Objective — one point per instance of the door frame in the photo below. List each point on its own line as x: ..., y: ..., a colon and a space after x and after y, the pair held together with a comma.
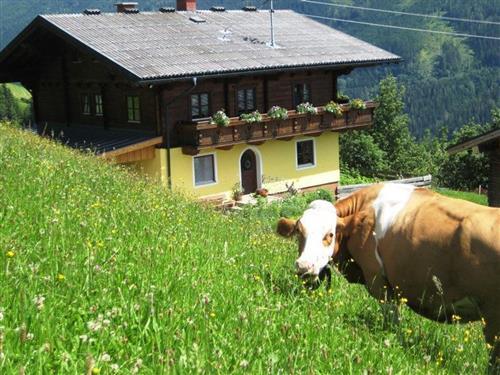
x: 258, y: 166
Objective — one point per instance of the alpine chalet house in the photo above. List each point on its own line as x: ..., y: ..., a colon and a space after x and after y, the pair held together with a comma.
x: 153, y: 89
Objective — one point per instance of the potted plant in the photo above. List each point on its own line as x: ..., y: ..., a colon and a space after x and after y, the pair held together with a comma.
x: 220, y: 118
x: 342, y: 98
x: 252, y: 117
x: 307, y: 108
x: 277, y: 113
x: 334, y: 108
x: 358, y: 104
x: 236, y: 192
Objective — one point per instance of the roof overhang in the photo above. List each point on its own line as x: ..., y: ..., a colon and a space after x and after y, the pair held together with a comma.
x: 489, y: 137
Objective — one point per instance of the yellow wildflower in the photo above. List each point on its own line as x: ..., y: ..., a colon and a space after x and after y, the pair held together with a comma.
x: 60, y: 277
x: 455, y: 318
x: 212, y: 314
x: 11, y: 254
x: 403, y: 300
x: 96, y: 370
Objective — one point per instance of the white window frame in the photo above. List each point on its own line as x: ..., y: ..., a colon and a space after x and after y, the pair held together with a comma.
x: 216, y: 176
x: 305, y: 166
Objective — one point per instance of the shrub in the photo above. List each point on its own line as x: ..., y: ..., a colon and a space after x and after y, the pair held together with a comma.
x: 334, y: 108
x: 278, y: 113
x: 342, y: 98
x: 358, y: 104
x: 307, y: 108
x: 250, y: 118
x: 220, y: 118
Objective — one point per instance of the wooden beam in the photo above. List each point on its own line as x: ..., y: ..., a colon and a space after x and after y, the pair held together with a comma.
x: 190, y: 150
x: 256, y: 143
x: 225, y: 148
x: 137, y: 146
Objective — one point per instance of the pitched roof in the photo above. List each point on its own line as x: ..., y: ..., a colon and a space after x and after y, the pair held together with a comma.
x: 487, y: 137
x: 156, y: 45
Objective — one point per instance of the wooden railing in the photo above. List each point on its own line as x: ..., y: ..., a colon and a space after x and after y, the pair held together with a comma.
x: 202, y: 134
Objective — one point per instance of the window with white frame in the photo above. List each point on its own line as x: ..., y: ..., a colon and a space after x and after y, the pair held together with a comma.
x: 204, y: 170
x: 305, y: 154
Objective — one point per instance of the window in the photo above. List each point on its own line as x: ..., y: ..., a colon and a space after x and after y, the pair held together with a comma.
x: 134, y: 109
x: 200, y: 105
x: 98, y: 104
x: 86, y: 104
x: 246, y: 100
x: 305, y: 154
x: 301, y: 93
x: 204, y: 170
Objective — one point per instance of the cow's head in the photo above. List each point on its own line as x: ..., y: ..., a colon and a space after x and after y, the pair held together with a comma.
x: 315, y: 231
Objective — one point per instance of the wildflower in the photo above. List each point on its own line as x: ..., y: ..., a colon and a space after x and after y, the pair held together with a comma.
x: 96, y: 370
x: 460, y: 348
x: 60, y: 277
x: 403, y: 300
x: 1, y: 313
x: 212, y: 314
x: 244, y: 363
x: 94, y: 325
x: 83, y: 338
x: 455, y: 318
x: 105, y: 357
x: 11, y: 254
x: 39, y: 302
x: 29, y: 336
x: 115, y: 367
x: 387, y: 342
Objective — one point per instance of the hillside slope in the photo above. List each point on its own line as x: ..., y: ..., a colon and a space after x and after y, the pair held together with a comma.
x: 101, y: 269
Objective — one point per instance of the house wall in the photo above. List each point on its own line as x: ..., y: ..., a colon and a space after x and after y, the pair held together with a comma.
x: 65, y: 79
x: 277, y: 161
x: 223, y: 94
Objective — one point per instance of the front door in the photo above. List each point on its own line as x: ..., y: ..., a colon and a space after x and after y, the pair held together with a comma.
x: 248, y: 172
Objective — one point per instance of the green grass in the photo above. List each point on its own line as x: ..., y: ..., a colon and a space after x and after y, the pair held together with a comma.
x: 102, y: 269
x: 20, y: 93
x: 465, y: 195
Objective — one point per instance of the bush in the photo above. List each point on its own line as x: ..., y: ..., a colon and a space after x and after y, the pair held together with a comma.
x: 358, y: 104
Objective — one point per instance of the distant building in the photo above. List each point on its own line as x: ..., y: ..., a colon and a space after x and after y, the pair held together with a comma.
x: 488, y: 143
x: 140, y: 87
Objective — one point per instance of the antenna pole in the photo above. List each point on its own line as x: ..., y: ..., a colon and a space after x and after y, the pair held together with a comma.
x: 272, y: 24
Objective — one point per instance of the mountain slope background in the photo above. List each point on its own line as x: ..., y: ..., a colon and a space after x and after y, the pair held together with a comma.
x: 450, y: 80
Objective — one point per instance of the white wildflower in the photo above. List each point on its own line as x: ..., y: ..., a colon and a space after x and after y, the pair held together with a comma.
x: 39, y: 302
x: 115, y: 367
x: 94, y: 325
x: 105, y: 357
x: 83, y: 338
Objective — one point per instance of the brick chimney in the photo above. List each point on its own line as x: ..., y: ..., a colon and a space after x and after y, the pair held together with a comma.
x: 189, y: 5
x: 126, y: 7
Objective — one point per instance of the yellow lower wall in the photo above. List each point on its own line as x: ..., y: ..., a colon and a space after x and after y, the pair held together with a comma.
x: 277, y: 164
x: 155, y: 168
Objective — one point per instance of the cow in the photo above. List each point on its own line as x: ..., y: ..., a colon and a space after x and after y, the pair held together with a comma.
x: 442, y: 255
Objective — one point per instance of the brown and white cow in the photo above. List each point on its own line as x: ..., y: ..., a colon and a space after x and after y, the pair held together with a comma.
x: 441, y: 254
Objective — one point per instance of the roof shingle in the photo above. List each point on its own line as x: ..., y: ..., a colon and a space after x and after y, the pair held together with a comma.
x: 156, y: 45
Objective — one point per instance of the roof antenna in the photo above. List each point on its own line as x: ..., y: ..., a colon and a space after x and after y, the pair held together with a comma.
x: 272, y: 43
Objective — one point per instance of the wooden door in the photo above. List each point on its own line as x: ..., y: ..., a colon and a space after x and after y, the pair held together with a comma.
x: 248, y: 166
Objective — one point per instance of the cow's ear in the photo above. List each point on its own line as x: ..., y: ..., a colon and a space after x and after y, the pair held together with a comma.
x: 286, y: 227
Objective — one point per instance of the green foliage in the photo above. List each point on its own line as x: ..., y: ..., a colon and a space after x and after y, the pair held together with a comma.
x: 250, y: 118
x: 10, y: 108
x: 278, y: 113
x: 307, y: 108
x: 334, y: 108
x: 388, y: 149
x: 220, y: 118
x: 358, y: 104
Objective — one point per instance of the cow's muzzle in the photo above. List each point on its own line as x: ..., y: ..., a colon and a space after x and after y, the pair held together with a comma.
x: 312, y: 281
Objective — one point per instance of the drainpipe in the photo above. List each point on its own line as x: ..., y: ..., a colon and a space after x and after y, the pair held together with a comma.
x: 167, y: 131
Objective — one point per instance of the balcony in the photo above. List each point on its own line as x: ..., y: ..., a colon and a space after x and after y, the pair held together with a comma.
x: 198, y: 135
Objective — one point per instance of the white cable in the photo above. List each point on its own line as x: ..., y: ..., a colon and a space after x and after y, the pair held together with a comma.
x: 404, y: 28
x: 403, y: 13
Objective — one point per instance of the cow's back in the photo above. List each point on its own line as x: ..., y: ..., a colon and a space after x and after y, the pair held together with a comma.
x: 443, y: 247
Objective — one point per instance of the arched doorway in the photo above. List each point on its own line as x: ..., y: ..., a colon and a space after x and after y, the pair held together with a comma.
x: 248, y: 168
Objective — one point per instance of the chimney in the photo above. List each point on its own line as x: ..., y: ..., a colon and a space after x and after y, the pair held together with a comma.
x: 126, y: 7
x: 189, y: 5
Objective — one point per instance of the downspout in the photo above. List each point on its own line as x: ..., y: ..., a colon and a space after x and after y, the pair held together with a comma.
x: 167, y: 131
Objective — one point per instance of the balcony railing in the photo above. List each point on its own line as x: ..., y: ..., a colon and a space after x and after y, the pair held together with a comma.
x: 202, y: 134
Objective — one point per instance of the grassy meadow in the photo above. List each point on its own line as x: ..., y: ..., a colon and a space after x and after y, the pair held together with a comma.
x: 21, y: 94
x: 103, y: 272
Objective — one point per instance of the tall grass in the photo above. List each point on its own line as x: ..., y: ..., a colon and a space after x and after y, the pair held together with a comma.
x: 104, y: 272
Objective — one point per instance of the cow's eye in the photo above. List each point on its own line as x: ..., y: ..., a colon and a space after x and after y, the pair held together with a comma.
x: 330, y: 235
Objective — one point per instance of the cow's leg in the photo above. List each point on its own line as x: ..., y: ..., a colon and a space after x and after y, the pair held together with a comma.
x: 492, y: 336
x: 381, y: 290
